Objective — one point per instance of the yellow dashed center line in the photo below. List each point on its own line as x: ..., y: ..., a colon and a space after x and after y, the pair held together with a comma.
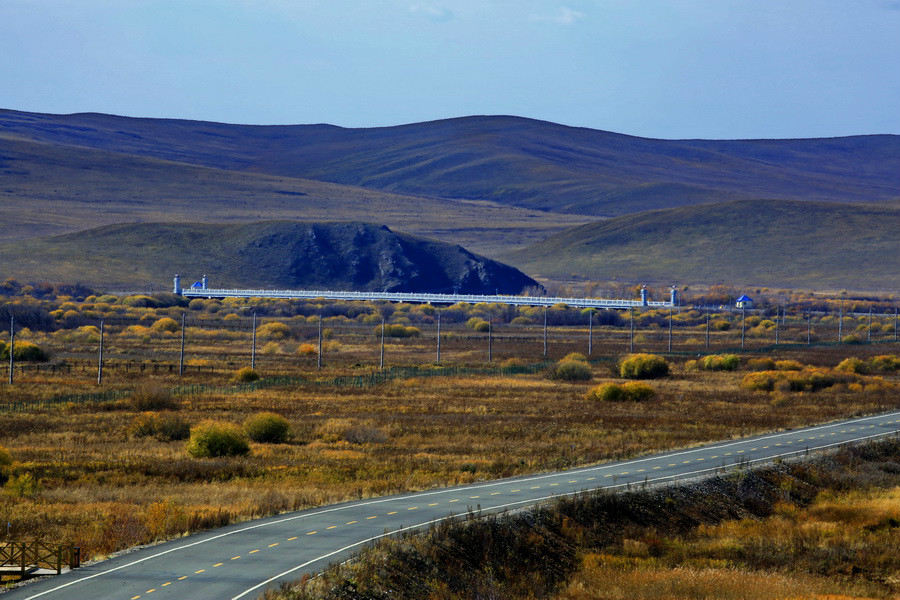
x: 294, y: 538
x: 433, y: 504
x: 165, y: 584
x: 552, y: 484
x: 312, y: 533
x: 701, y: 459
x: 673, y: 465
x: 456, y: 500
x: 235, y: 557
x: 410, y: 508
x: 589, y: 479
x: 608, y: 475
x: 393, y: 512
x: 276, y: 543
x: 657, y: 467
x: 253, y: 551
x: 515, y: 490
x: 352, y: 522
x: 135, y: 597
x: 370, y: 518
x: 495, y: 493
x: 204, y: 570
x: 218, y: 564
x: 150, y: 591
x: 182, y: 577
x: 574, y: 481
x: 473, y: 497
x: 714, y: 456
x: 332, y: 527
x: 535, y: 487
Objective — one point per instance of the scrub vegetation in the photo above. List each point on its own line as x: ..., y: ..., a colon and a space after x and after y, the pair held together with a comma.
x: 151, y: 454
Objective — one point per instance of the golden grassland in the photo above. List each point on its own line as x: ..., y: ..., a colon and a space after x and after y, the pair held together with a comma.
x: 81, y: 474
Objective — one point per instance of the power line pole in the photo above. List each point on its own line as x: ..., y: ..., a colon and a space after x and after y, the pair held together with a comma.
x: 671, y: 310
x: 12, y: 347
x: 439, y: 338
x: 490, y: 338
x: 545, y: 331
x: 809, y: 329
x: 841, y: 323
x: 100, y: 357
x: 319, y: 353
x: 743, y: 323
x: 590, y: 331
x: 869, y: 327
x: 631, y: 337
x: 381, y: 361
x: 777, y: 314
x: 253, y: 345
x: 707, y: 328
x: 181, y: 357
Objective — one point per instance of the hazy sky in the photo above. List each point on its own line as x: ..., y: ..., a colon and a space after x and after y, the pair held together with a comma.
x: 655, y: 68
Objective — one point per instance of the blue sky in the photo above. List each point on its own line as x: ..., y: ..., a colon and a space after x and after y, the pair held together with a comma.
x: 655, y: 68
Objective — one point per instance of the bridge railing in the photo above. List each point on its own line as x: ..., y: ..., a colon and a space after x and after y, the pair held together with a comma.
x: 23, y: 558
x: 421, y: 298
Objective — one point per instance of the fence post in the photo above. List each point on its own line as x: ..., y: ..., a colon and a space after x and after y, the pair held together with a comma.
x: 777, y: 315
x: 546, y: 308
x: 590, y: 331
x: 490, y: 338
x: 707, y: 328
x: 841, y: 323
x: 631, y: 336
x: 671, y: 310
x: 869, y: 327
x: 381, y: 361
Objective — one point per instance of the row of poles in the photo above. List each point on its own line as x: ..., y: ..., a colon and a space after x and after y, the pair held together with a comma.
x: 780, y: 319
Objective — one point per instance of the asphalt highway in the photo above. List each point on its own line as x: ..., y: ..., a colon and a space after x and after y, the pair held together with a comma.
x: 241, y: 561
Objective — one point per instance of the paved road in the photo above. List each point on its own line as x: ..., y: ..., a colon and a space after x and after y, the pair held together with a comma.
x: 240, y: 561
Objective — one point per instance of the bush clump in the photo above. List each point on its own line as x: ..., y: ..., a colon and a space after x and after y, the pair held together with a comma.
x: 633, y: 391
x: 245, y: 375
x: 273, y: 331
x: 347, y: 430
x: 808, y: 380
x: 165, y: 428
x: 152, y: 397
x: 719, y: 362
x: 570, y: 370
x: 5, y: 464
x: 25, y: 351
x: 398, y: 330
x: 643, y: 366
x: 211, y: 439
x: 788, y: 365
x: 267, y: 428
x: 165, y: 325
x: 761, y: 364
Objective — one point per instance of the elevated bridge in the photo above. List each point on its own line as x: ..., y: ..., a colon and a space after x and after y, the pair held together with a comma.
x: 201, y: 290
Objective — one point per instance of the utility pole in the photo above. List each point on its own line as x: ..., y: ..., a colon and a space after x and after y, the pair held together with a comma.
x: 869, y: 327
x: 490, y: 338
x: 545, y: 331
x: 253, y: 345
x: 100, y: 357
x: 671, y: 310
x: 777, y: 313
x: 631, y: 337
x: 12, y: 347
x: 809, y: 329
x: 707, y: 328
x: 743, y: 324
x: 381, y: 361
x: 319, y: 353
x: 841, y: 324
x: 896, y: 318
x: 181, y: 357
x: 590, y: 331
x: 439, y: 338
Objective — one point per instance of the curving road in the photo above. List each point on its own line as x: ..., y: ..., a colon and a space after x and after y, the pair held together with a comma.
x: 240, y: 561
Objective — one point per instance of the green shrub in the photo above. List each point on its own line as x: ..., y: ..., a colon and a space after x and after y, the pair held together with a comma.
x: 25, y: 351
x: 606, y: 392
x: 853, y: 365
x: 720, y: 325
x: 267, y: 428
x: 570, y: 370
x: 885, y: 363
x: 643, y: 366
x: 5, y: 464
x: 638, y: 391
x: 245, y: 375
x: 719, y: 362
x: 521, y: 321
x: 152, y: 397
x: 575, y: 356
x: 763, y: 381
x: 398, y: 330
x: 211, y: 439
x: 25, y: 485
x: 165, y: 428
x: 851, y: 339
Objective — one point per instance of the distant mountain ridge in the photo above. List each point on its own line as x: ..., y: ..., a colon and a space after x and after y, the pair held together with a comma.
x: 775, y: 243
x: 268, y: 254
x: 511, y: 160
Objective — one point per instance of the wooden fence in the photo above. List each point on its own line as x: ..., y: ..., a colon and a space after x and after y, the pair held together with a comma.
x: 37, y: 558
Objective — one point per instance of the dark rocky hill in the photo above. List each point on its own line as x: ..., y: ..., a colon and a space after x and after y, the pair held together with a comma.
x: 269, y: 254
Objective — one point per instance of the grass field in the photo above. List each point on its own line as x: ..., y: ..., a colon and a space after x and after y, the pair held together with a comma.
x: 90, y: 472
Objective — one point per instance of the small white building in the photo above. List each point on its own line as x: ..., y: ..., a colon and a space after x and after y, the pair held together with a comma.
x: 744, y: 301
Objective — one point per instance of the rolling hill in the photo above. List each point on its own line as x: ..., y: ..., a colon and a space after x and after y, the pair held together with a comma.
x: 816, y: 245
x: 269, y: 254
x: 509, y: 160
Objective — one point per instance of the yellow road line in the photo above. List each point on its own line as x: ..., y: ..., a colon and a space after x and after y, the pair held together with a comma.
x: 332, y: 527
x: 457, y: 500
x: 218, y: 564
x: 203, y: 570
x: 253, y: 551
x: 165, y: 584
x: 370, y: 518
x: 182, y: 577
x: 312, y: 533
x: 433, y: 504
x: 352, y: 522
x: 135, y: 597
x: 292, y: 539
x: 276, y: 543
x: 150, y: 591
x: 393, y: 512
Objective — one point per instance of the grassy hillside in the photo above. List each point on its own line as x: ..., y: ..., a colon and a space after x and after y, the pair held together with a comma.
x: 510, y: 160
x: 760, y: 242
x: 270, y: 254
x: 48, y: 189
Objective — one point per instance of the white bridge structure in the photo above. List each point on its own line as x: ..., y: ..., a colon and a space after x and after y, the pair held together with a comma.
x: 201, y: 289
